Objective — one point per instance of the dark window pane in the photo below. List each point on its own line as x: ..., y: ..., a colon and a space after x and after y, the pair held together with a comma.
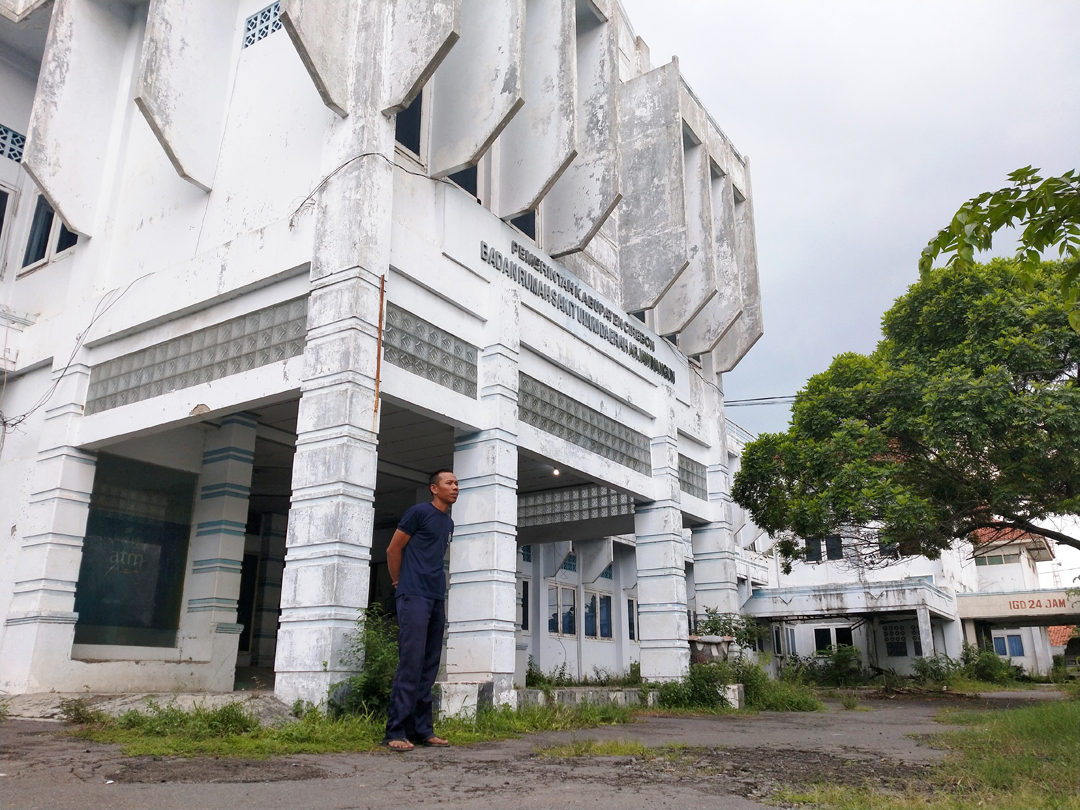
x: 999, y: 646
x: 466, y: 179
x: 895, y: 640
x: 822, y: 639
x: 526, y: 223
x: 38, y: 243
x: 834, y: 548
x: 66, y: 239
x: 813, y: 551
x: 569, y: 619
x: 3, y: 210
x: 553, y: 610
x: 407, y: 127
x: 630, y: 617
x: 132, y: 574
x: 1016, y: 646
x: 590, y: 615
x: 525, y: 604
x: 245, y: 606
x: 605, y: 617
x: 916, y: 642
x: 778, y: 647
x: 844, y: 636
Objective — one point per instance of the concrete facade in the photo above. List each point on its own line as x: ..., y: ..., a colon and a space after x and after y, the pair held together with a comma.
x: 295, y: 256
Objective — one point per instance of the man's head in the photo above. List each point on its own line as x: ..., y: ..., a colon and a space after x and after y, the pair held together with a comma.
x: 444, y: 488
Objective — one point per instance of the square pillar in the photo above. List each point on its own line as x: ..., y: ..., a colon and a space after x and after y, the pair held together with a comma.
x: 926, y: 633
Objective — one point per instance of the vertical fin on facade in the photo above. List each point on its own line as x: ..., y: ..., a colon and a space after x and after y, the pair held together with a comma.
x: 323, y: 32
x: 749, y: 327
x: 541, y: 140
x: 182, y: 84
x: 71, y: 123
x: 422, y: 32
x: 479, y: 86
x: 652, y: 214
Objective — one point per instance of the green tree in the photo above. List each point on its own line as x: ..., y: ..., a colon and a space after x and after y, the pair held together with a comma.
x: 1048, y: 211
x: 965, y: 417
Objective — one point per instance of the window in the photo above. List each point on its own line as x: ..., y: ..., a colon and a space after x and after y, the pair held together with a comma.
x: 791, y: 641
x: 4, y: 197
x: 834, y: 547
x: 606, y: 573
x: 1016, y: 646
x: 525, y: 605
x: 822, y: 639
x: 895, y: 640
x: 262, y: 24
x: 11, y: 144
x: 526, y: 223
x: 691, y: 623
x: 570, y: 563
x: 844, y: 636
x: 590, y: 614
x: 407, y: 128
x: 813, y: 551
x: 916, y: 641
x: 630, y: 617
x: 467, y: 180
x: 778, y: 646
x: 49, y: 237
x: 526, y: 553
x: 605, y: 616
x: 134, y: 555
x: 999, y: 645
x: 562, y: 619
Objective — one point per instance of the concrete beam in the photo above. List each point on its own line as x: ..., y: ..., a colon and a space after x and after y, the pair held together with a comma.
x: 586, y: 193
x: 19, y: 10
x: 540, y: 141
x: 323, y: 32
x: 182, y: 85
x: 71, y: 123
x: 652, y: 214
x: 479, y: 86
x: 422, y: 32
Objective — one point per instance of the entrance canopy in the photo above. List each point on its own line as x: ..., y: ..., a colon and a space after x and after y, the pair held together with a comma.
x: 1020, y: 608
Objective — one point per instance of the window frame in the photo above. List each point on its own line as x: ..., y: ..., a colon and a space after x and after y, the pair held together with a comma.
x: 523, y: 601
x: 561, y: 589
x: 420, y: 159
x: 632, y: 623
x: 51, y: 253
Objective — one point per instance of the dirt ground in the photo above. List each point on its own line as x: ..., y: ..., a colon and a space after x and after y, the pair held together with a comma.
x: 733, y: 761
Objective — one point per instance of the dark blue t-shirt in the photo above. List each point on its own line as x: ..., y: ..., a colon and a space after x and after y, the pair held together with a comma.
x: 429, y: 531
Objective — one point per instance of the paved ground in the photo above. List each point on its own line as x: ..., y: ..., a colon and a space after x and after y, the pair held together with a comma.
x: 734, y: 762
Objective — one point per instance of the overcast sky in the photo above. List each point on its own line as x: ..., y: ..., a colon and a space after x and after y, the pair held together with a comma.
x: 867, y: 125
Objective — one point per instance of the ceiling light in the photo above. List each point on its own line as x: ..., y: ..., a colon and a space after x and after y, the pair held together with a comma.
x: 555, y: 472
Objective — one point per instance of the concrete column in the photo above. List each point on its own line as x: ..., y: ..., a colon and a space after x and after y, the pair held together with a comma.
x: 264, y: 641
x: 41, y: 619
x: 208, y: 628
x: 328, y: 548
x: 483, y: 556
x: 665, y: 649
x: 953, y: 633
x: 926, y: 635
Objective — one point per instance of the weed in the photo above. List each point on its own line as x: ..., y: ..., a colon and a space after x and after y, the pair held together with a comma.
x: 373, y: 652
x: 78, y: 711
x: 849, y: 701
x: 595, y: 748
x: 536, y: 678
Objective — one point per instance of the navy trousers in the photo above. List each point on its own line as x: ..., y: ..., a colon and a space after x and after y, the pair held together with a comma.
x: 420, y: 636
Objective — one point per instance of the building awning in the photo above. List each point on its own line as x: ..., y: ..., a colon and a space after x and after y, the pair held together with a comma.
x: 851, y: 599
x: 1042, y: 607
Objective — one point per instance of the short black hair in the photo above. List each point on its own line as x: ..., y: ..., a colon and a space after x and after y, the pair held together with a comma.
x: 434, y: 479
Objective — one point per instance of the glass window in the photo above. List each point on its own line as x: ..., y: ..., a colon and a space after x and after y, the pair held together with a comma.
x: 1016, y: 646
x: 980, y: 560
x: 791, y: 641
x: 65, y: 239
x: 131, y: 577
x: 813, y: 551
x: 38, y: 243
x: 569, y: 619
x: 1009, y: 559
x: 590, y: 615
x: 526, y: 223
x: 822, y: 639
x: 834, y: 547
x: 916, y: 641
x: 407, y: 126
x: 777, y: 643
x: 630, y: 616
x: 525, y: 604
x: 467, y: 180
x: 844, y: 636
x: 999, y: 646
x: 605, y: 616
x: 553, y: 610
x: 895, y: 640
x: 994, y: 559
x: 526, y: 553
x: 3, y: 210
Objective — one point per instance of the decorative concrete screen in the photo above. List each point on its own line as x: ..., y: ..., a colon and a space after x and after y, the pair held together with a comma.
x: 545, y: 408
x: 262, y: 24
x: 692, y: 477
x: 11, y: 143
x: 426, y: 350
x: 252, y: 340
x: 571, y: 505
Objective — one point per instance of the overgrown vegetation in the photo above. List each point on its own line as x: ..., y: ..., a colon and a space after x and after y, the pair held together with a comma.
x: 1027, y: 757
x: 560, y: 677
x: 373, y: 653
x: 703, y: 688
x: 977, y: 665
x: 744, y: 629
x: 232, y: 731
x: 596, y: 748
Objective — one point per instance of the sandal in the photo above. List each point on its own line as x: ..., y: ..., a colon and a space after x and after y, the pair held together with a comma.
x: 432, y: 742
x: 397, y: 744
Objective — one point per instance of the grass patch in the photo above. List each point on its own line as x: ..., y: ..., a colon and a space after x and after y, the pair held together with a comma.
x: 1027, y: 757
x: 596, y: 748
x: 232, y: 731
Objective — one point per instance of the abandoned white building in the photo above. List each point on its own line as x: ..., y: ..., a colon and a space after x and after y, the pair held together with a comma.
x: 265, y: 267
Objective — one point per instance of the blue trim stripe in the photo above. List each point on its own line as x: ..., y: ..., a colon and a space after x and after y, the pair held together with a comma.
x: 229, y: 527
x: 225, y: 491
x: 210, y: 603
x: 245, y: 419
x: 216, y: 569
x: 228, y: 454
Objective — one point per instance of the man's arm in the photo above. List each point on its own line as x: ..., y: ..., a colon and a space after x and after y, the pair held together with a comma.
x: 393, y: 554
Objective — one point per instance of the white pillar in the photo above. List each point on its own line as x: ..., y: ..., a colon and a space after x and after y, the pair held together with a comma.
x: 661, y: 584
x: 41, y: 619
x: 481, y: 647
x: 926, y: 634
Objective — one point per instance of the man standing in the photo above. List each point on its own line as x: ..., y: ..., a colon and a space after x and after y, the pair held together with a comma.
x: 415, y: 560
